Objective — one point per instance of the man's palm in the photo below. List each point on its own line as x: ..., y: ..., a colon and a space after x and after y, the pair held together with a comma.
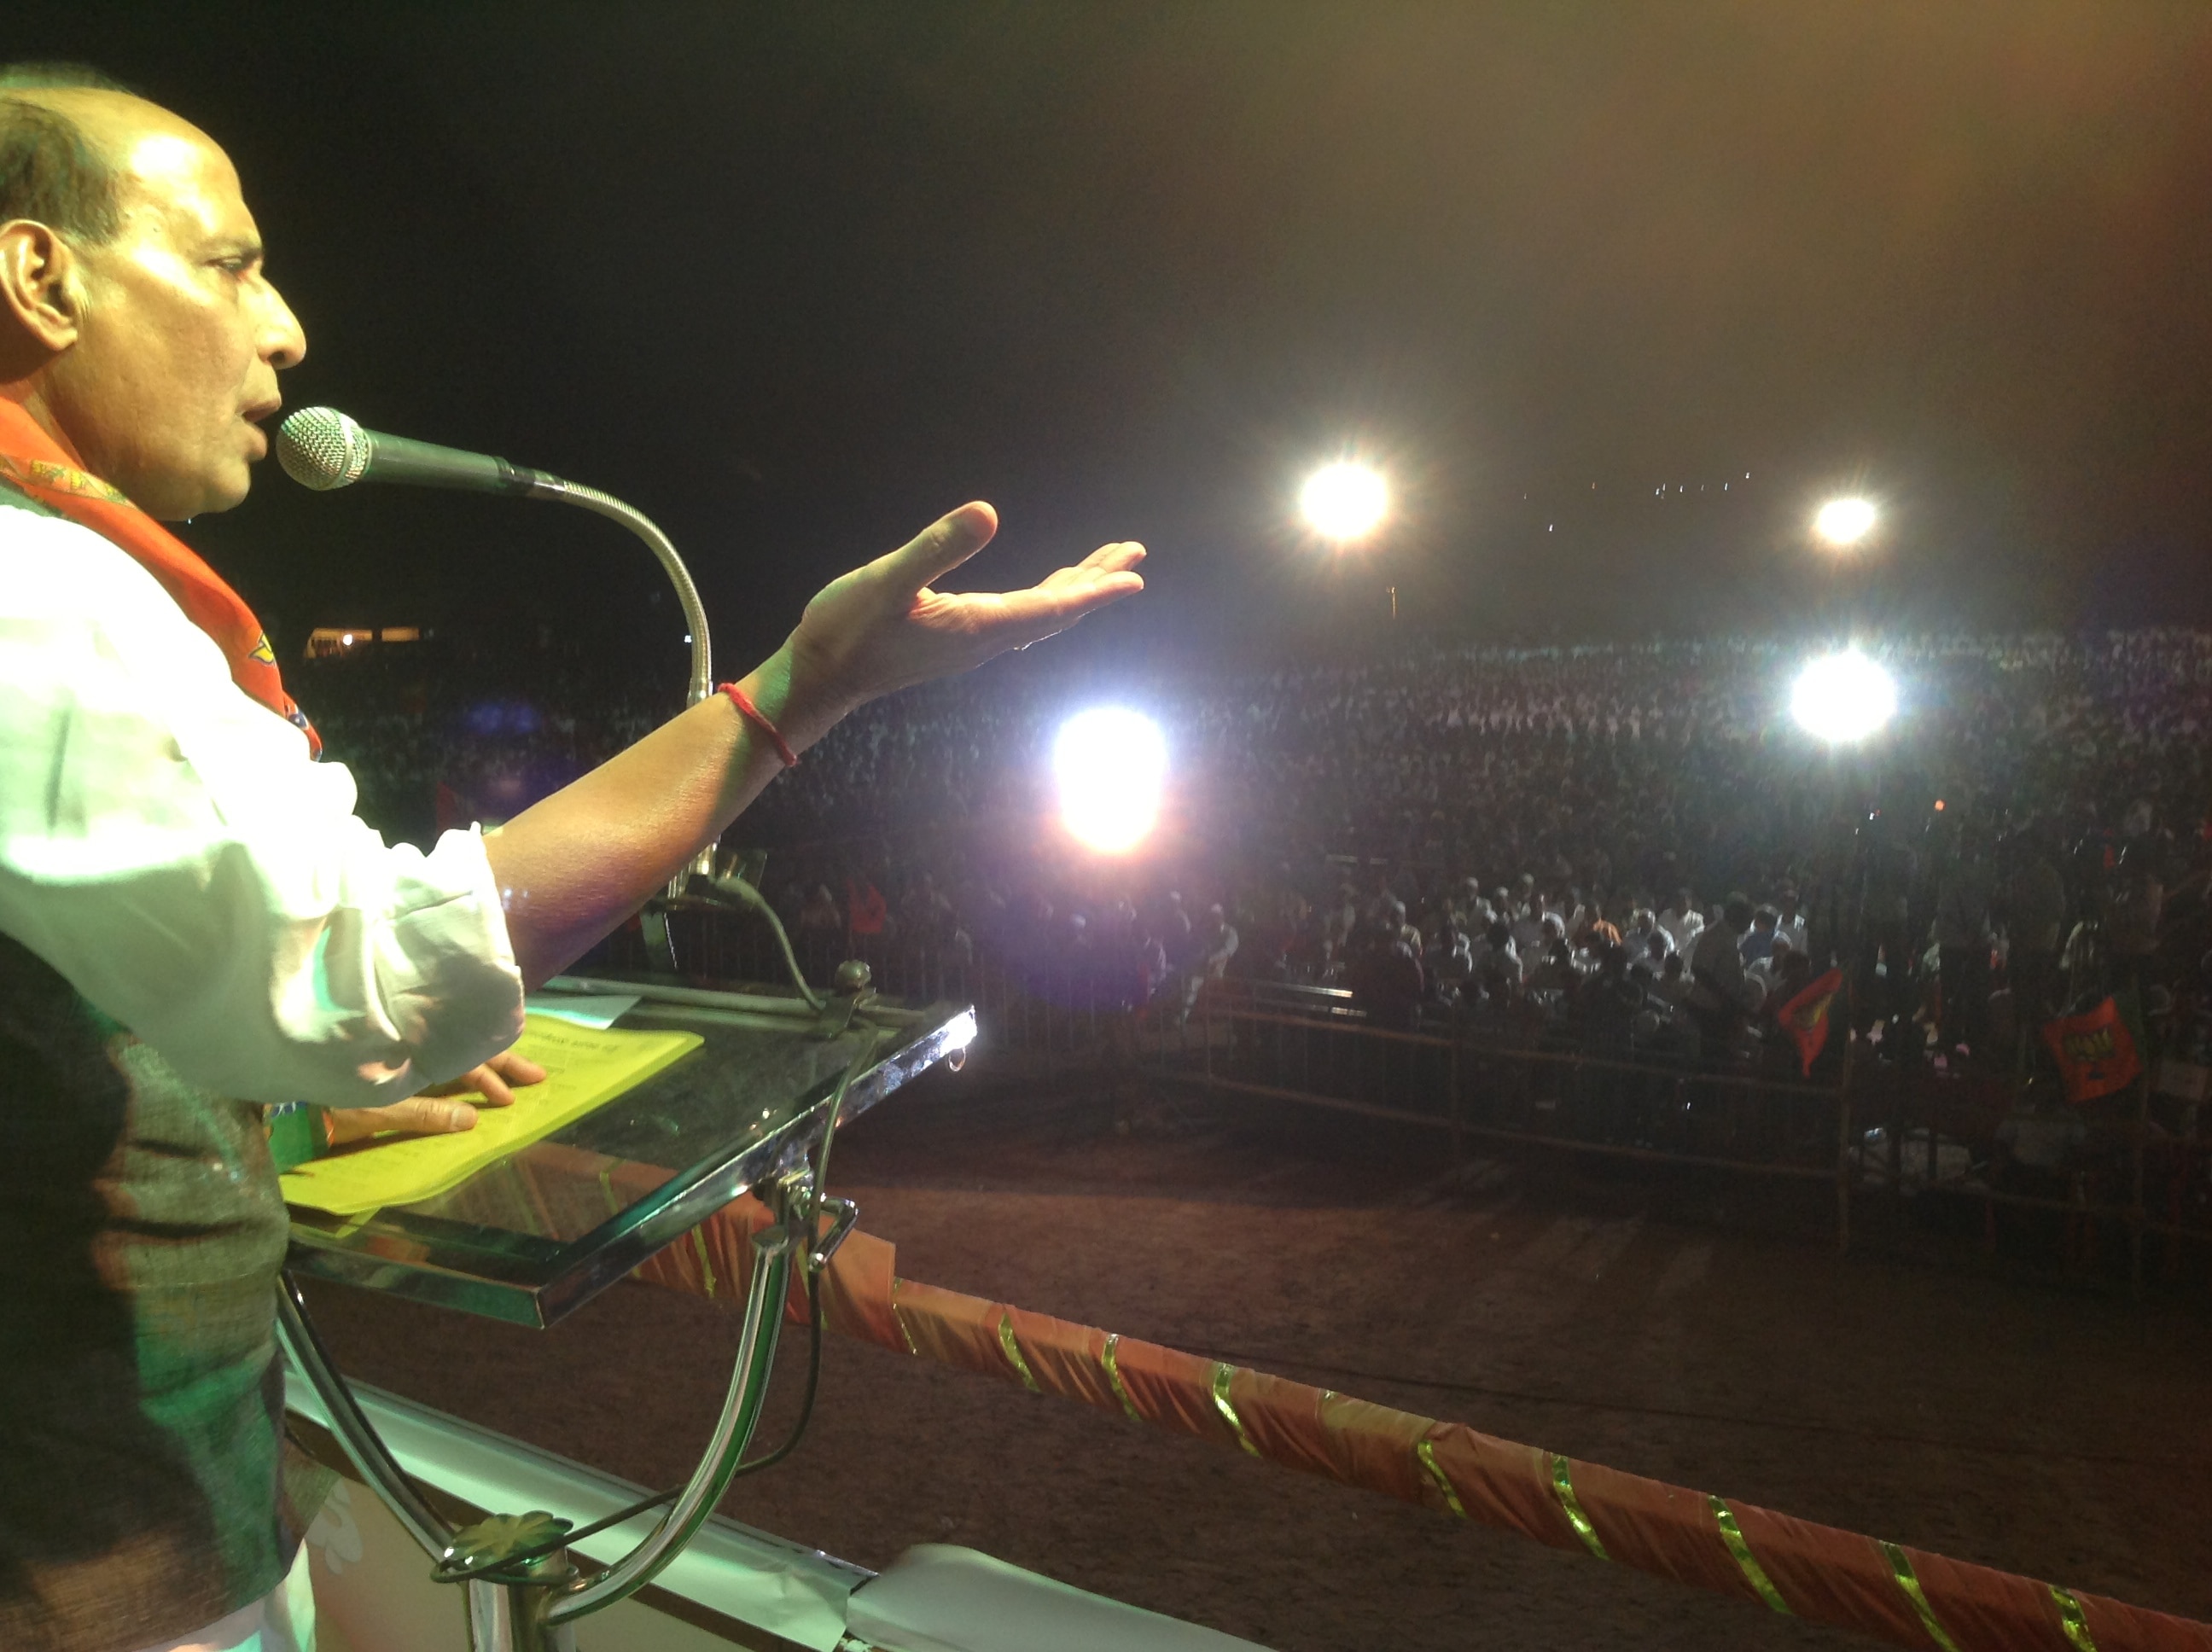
x: 885, y: 627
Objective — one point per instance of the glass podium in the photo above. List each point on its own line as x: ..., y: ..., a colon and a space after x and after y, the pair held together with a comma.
x: 533, y: 1235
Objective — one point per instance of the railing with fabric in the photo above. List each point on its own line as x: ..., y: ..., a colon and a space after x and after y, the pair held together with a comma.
x: 1908, y: 1596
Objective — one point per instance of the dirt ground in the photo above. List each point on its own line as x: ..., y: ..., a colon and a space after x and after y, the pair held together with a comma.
x: 2059, y: 1432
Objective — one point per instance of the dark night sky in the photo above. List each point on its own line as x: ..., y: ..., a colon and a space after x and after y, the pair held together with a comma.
x: 795, y: 278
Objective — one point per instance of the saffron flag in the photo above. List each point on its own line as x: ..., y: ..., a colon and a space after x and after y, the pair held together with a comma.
x: 867, y: 912
x: 2096, y: 1053
x: 1805, y: 1017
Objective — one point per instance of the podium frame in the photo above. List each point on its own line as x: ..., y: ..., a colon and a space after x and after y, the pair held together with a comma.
x: 531, y: 1594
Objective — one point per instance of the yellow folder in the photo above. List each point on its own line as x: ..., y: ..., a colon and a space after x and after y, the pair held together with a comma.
x: 585, y: 1067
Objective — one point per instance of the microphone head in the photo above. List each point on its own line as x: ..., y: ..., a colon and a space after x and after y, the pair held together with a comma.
x: 321, y: 449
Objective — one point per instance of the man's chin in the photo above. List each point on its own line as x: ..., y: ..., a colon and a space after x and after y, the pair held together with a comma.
x: 206, y: 499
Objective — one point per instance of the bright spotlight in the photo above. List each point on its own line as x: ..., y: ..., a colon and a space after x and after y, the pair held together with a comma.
x: 1842, y: 698
x: 1111, y: 764
x: 1845, y: 522
x: 1345, y: 501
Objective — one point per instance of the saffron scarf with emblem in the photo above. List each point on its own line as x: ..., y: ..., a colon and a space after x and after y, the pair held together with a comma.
x: 34, y: 462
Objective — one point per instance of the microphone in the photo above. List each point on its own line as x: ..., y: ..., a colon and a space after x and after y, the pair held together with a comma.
x: 321, y: 447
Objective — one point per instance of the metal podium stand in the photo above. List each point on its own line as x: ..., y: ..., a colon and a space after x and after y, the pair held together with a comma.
x: 534, y: 1236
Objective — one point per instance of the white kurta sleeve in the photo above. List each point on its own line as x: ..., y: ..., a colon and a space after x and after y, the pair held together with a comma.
x: 168, y: 846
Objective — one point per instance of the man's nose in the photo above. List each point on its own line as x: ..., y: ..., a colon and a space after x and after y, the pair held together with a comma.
x: 283, y: 342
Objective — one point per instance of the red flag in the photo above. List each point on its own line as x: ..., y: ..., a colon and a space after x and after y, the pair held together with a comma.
x: 1805, y: 1017
x: 868, y: 912
x: 2096, y: 1053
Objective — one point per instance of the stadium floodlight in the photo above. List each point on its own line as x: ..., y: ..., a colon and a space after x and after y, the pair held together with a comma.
x: 1111, y: 764
x: 1843, y: 522
x: 1345, y: 501
x: 1843, y: 698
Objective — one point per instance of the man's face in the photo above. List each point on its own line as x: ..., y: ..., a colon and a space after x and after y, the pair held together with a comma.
x: 182, y: 335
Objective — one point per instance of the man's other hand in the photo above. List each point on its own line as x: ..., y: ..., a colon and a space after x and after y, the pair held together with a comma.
x: 883, y: 626
x: 429, y: 1113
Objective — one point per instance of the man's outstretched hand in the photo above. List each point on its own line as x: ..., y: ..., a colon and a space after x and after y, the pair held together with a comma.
x: 883, y: 626
x: 573, y: 865
x: 430, y: 1114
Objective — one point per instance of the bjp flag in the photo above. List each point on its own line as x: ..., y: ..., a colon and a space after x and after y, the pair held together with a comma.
x: 1805, y: 1017
x: 2096, y: 1053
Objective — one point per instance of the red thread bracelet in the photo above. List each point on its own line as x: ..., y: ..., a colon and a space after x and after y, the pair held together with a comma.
x: 753, y: 714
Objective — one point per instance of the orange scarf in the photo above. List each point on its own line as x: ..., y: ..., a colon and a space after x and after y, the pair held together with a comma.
x: 32, y: 461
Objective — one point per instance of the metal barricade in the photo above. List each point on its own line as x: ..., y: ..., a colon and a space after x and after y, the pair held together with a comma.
x: 1052, y: 1023
x: 1311, y: 1046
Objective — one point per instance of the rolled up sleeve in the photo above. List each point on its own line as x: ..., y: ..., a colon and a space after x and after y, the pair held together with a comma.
x: 169, y: 847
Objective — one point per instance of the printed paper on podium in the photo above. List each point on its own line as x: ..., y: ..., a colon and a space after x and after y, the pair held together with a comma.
x: 585, y: 1068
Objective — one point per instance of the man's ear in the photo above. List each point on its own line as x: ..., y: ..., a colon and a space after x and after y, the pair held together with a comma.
x: 41, y: 294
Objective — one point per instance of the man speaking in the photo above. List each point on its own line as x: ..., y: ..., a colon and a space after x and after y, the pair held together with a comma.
x: 192, y: 921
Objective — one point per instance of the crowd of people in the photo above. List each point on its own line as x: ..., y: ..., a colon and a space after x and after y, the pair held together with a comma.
x: 1632, y: 840
x: 437, y: 737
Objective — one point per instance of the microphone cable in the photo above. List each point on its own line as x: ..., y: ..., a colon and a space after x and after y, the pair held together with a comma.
x: 496, y: 1570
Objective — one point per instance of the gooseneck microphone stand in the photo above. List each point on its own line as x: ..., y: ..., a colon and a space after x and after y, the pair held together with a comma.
x: 525, y: 1593
x: 323, y: 449
x: 687, y: 594
x: 658, y: 937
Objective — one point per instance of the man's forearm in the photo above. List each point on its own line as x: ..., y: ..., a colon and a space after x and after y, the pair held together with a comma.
x: 572, y: 867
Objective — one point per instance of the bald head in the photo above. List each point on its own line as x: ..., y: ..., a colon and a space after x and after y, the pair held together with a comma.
x: 143, y: 151
x: 136, y: 324
x: 51, y: 168
x: 83, y: 154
